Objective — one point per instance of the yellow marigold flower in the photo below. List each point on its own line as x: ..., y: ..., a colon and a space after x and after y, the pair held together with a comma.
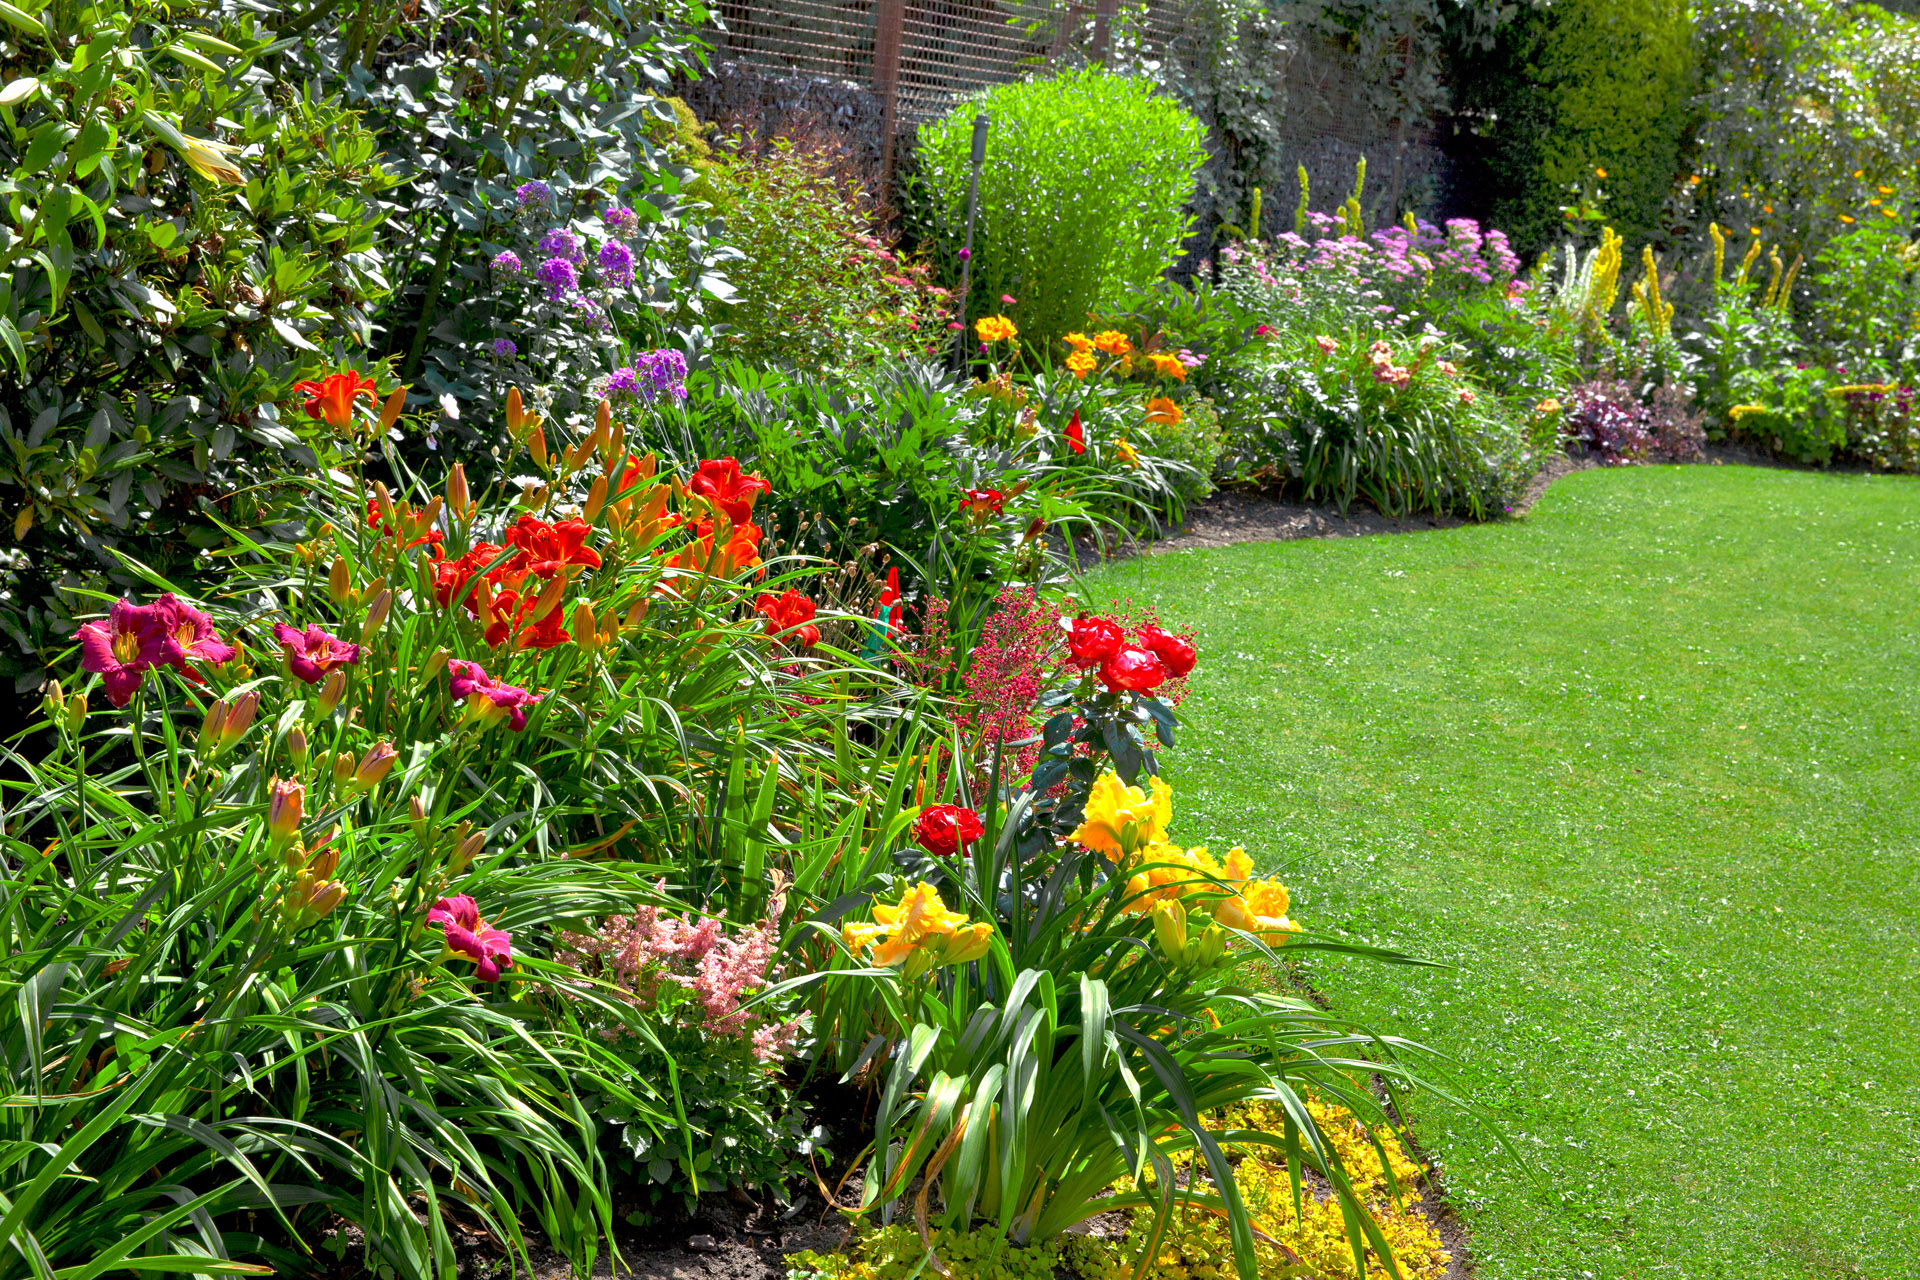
x: 1164, y: 412
x: 1117, y: 815
x: 1845, y: 218
x: 1113, y: 342
x: 1599, y: 173
x: 1168, y: 366
x: 1694, y: 181
x: 995, y: 329
x: 1127, y: 453
x: 1081, y: 363
x: 1080, y: 342
x: 1549, y: 405
x: 1885, y: 191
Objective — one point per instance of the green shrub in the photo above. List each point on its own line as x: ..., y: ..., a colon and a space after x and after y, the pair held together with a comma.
x: 1195, y: 441
x: 190, y: 239
x: 1864, y: 306
x: 1082, y: 198
x: 812, y: 289
x: 1574, y: 90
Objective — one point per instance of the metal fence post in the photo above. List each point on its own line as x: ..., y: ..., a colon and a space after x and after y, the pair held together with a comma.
x: 980, y: 126
x: 889, y: 41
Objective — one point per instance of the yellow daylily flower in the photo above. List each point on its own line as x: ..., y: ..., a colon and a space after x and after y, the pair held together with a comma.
x: 1119, y: 819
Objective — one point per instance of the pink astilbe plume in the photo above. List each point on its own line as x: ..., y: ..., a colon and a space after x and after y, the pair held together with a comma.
x: 1007, y: 673
x: 647, y: 955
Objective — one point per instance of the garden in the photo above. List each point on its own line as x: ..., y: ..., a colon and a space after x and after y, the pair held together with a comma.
x: 589, y: 689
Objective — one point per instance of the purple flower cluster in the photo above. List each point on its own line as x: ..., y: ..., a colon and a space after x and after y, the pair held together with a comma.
x: 615, y: 261
x: 504, y: 347
x: 620, y: 221
x: 562, y: 243
x: 507, y: 262
x: 652, y: 375
x: 532, y: 194
x: 558, y: 275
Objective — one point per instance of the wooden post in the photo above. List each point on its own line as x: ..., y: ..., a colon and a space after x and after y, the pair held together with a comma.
x: 1104, y: 12
x: 889, y: 42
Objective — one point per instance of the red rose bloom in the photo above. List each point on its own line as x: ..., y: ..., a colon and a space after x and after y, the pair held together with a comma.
x: 1133, y: 669
x: 947, y: 829
x: 1092, y: 641
x: 1176, y: 651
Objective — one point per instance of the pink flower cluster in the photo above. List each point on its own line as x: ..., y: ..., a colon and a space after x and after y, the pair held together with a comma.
x: 645, y: 954
x: 1385, y: 371
x: 1008, y: 671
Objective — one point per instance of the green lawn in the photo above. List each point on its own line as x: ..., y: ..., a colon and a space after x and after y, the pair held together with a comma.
x: 1641, y: 768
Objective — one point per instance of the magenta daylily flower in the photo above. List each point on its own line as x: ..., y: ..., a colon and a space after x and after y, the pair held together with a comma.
x: 314, y: 654
x: 490, y: 949
x: 189, y: 633
x: 120, y: 650
x: 489, y: 699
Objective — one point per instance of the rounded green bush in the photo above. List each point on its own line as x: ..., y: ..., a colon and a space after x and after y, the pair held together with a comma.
x: 1083, y: 197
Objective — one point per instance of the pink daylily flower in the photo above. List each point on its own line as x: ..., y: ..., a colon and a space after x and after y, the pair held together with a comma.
x: 490, y: 949
x: 122, y: 649
x: 314, y: 654
x: 487, y: 698
x: 189, y: 633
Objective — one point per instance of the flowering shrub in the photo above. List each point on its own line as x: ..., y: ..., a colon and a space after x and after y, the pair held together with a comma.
x: 1882, y: 423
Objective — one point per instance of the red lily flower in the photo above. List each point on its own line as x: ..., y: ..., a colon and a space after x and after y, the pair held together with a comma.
x: 490, y: 949
x: 547, y: 549
x: 719, y: 481
x: 791, y: 612
x: 332, y: 397
x: 1076, y: 436
x: 314, y: 654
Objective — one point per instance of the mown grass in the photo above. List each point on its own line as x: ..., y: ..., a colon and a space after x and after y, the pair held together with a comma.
x: 1641, y: 768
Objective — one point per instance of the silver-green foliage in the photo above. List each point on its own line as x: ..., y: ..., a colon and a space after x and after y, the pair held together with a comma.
x: 1083, y: 197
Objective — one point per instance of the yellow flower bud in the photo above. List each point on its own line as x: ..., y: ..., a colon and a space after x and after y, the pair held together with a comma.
x: 331, y: 692
x: 338, y: 585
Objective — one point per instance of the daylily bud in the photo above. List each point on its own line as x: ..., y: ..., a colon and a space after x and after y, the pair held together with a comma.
x: 331, y: 692
x: 54, y: 702
x: 515, y: 410
x: 76, y: 712
x: 584, y: 633
x: 465, y: 852
x: 637, y: 614
x: 383, y: 502
x: 435, y: 664
x: 596, y: 500
x: 286, y: 806
x: 323, y: 857
x: 239, y: 719
x: 549, y: 598
x: 430, y: 514
x: 458, y: 500
x: 417, y: 818
x: 375, y: 765
x: 294, y: 856
x: 616, y: 445
x: 603, y: 421
x: 297, y: 746
x: 537, y: 448
x: 216, y: 717
x: 390, y: 413
x: 968, y: 944
x: 324, y: 898
x: 338, y: 585
x: 1170, y: 927
x: 376, y: 614
x: 342, y: 769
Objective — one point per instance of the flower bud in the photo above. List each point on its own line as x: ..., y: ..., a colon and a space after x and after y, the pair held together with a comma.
x: 375, y: 765
x: 968, y: 944
x: 286, y: 807
x: 458, y: 500
x: 322, y: 859
x: 331, y: 692
x: 376, y: 614
x: 637, y: 614
x: 342, y: 769
x: 1170, y: 927
x: 76, y: 712
x: 324, y: 898
x: 465, y: 852
x: 584, y: 633
x: 210, y: 726
x: 435, y: 664
x: 338, y: 585
x: 54, y: 702
x: 297, y: 746
x: 549, y: 598
x: 239, y: 719
x: 537, y: 448
x: 417, y: 818
x: 596, y: 500
x: 390, y: 413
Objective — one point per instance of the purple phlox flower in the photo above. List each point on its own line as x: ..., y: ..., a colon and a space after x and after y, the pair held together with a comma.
x: 189, y: 634
x: 121, y: 649
x: 557, y: 274
x: 652, y: 375
x: 490, y: 949
x: 505, y: 347
x: 620, y: 221
x: 623, y: 382
x: 314, y: 654
x: 488, y: 699
x: 616, y: 264
x: 562, y: 243
x: 533, y: 193
x: 507, y: 262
